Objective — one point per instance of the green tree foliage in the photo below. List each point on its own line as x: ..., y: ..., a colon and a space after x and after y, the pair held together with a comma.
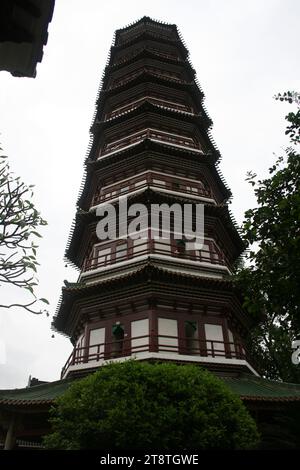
x: 144, y: 406
x: 270, y: 279
x: 19, y: 225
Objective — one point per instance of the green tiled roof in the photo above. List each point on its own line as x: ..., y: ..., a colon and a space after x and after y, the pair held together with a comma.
x: 36, y: 395
x: 248, y: 387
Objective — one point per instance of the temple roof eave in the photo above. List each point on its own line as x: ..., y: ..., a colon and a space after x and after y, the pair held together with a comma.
x: 249, y: 388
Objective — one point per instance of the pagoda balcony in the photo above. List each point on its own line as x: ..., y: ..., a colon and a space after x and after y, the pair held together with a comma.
x: 159, y: 53
x: 153, y: 134
x: 166, y: 75
x: 164, y: 55
x: 156, y: 101
x: 124, y: 251
x: 158, y: 347
x: 192, y: 189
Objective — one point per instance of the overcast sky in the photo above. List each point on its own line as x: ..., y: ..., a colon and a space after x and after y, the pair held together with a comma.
x: 243, y: 52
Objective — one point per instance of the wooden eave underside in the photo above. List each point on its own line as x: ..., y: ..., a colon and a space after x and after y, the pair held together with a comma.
x: 147, y: 113
x: 147, y: 58
x: 145, y: 19
x: 190, y: 87
x: 174, y: 115
x: 147, y: 76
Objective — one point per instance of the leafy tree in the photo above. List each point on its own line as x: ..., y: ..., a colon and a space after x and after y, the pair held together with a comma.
x: 19, y: 222
x: 271, y: 278
x: 141, y: 406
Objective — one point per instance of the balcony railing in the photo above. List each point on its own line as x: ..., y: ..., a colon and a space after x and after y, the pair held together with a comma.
x: 164, y: 74
x: 116, y: 191
x: 181, y: 141
x: 163, y: 54
x: 157, y: 52
x: 131, y: 346
x: 111, y: 254
x: 160, y: 102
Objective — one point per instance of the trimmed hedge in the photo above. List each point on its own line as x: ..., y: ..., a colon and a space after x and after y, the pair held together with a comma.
x: 140, y: 406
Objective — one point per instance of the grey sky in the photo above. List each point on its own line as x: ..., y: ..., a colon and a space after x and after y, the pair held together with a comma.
x: 243, y: 52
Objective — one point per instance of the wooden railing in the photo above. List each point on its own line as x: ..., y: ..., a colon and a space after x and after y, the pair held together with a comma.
x: 149, y: 246
x: 154, y: 343
x: 150, y: 134
x: 164, y: 54
x: 157, y: 52
x: 119, y: 191
x: 164, y: 74
x: 157, y: 101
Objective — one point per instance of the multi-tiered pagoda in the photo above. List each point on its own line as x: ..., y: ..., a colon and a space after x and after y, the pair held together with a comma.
x: 152, y: 298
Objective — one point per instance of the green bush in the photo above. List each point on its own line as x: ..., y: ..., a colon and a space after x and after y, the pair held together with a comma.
x: 142, y: 406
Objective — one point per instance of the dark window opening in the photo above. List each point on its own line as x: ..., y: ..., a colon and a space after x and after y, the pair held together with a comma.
x: 191, y: 337
x: 117, y: 340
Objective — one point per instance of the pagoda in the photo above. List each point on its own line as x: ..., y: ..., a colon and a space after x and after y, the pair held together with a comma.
x: 151, y: 298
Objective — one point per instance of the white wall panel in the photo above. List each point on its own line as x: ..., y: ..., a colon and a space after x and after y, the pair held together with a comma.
x: 168, y: 327
x: 139, y: 328
x: 214, y: 334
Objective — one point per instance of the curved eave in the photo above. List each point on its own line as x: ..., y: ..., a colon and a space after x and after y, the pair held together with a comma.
x: 152, y: 55
x: 145, y: 19
x: 258, y: 389
x: 191, y: 87
x: 201, y: 121
x: 82, y: 219
x: 144, y: 145
x: 212, y: 156
x: 148, y: 144
x: 36, y: 396
x: 140, y: 78
x: 152, y: 37
x: 248, y: 387
x: 277, y: 399
x: 93, y: 165
x: 146, y: 77
x: 76, y: 292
